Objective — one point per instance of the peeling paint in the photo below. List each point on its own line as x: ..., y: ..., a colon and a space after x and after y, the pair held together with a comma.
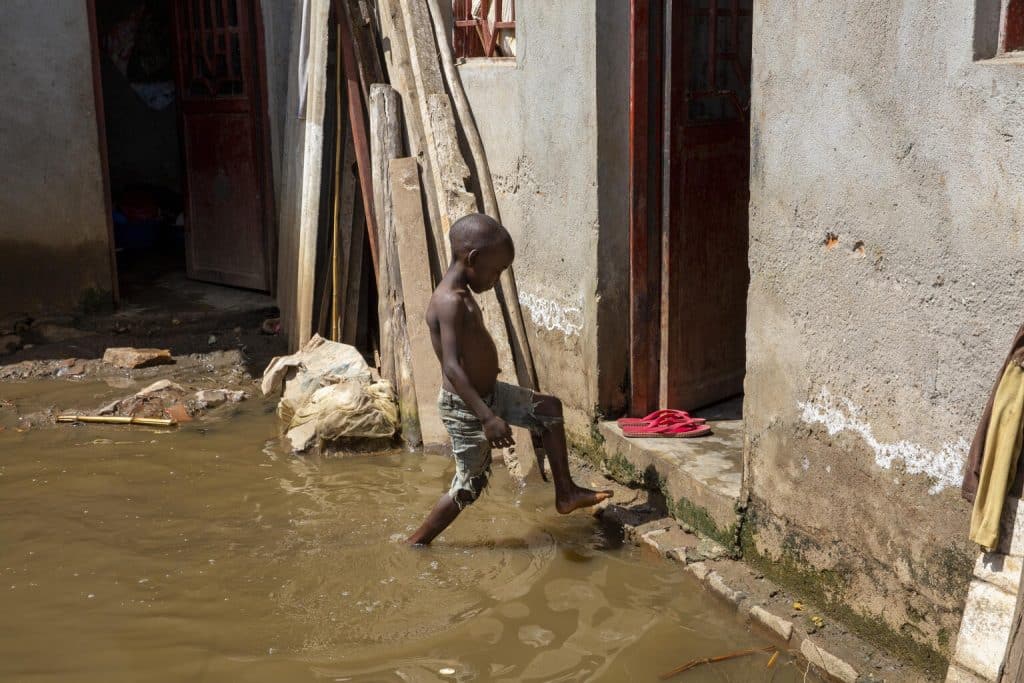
x: 944, y: 467
x: 553, y: 315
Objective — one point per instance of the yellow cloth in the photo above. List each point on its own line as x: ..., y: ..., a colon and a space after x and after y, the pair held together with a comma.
x: 999, y: 463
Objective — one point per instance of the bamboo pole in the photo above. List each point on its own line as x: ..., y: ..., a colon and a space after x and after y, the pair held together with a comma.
x: 118, y: 420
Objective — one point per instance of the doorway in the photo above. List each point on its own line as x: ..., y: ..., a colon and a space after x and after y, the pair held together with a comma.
x: 689, y: 184
x: 187, y: 158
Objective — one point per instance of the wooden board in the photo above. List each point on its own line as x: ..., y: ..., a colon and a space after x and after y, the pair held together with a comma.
x: 411, y: 237
x: 395, y: 349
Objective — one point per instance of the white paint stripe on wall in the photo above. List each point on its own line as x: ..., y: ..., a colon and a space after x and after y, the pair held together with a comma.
x: 944, y: 467
x: 552, y: 315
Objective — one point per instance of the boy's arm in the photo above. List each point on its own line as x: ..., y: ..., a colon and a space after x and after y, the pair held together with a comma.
x: 450, y: 312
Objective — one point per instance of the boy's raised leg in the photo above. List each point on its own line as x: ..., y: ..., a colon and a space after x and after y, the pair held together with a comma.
x: 568, y: 495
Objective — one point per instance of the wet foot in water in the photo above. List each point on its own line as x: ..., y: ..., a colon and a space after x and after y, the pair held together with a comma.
x: 579, y: 497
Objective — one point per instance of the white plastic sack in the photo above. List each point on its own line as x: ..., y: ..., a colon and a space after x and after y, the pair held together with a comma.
x: 328, y: 392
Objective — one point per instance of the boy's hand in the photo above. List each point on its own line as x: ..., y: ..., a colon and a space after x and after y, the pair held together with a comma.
x: 498, y: 432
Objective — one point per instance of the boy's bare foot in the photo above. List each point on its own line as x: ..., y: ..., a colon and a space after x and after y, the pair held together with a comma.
x: 579, y: 497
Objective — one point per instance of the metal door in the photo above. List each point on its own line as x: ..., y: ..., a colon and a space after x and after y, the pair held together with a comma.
x: 222, y: 125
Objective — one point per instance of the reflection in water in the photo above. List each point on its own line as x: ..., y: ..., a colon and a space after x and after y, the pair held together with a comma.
x: 208, y: 554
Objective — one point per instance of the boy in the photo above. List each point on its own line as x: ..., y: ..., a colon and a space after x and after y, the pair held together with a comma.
x: 475, y: 407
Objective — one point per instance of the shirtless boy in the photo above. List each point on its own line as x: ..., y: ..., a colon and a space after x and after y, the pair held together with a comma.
x: 476, y: 408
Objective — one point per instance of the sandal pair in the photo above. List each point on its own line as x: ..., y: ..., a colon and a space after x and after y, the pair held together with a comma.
x: 665, y: 424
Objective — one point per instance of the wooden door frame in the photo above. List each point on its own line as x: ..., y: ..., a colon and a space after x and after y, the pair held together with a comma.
x: 264, y: 151
x: 646, y: 120
x: 101, y: 139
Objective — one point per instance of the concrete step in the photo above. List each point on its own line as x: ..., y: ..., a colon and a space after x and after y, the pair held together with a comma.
x: 700, y: 477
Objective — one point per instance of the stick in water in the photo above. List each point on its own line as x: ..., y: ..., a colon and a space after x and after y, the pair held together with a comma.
x: 118, y: 420
x: 712, y: 660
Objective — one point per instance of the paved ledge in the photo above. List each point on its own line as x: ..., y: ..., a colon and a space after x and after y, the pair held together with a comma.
x: 702, y: 477
x: 825, y: 650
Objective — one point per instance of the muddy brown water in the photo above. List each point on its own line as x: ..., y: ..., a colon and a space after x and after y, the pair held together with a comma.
x: 209, y: 554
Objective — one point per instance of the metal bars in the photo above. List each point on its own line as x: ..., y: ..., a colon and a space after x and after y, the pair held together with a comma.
x: 474, y: 34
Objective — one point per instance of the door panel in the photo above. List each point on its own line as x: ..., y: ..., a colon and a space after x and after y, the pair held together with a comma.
x: 226, y: 199
x: 705, y: 232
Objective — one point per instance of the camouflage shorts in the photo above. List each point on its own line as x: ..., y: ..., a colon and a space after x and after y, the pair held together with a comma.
x: 514, y: 404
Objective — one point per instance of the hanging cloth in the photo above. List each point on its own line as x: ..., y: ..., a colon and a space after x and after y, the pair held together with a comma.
x: 1003, y: 441
x: 974, y: 458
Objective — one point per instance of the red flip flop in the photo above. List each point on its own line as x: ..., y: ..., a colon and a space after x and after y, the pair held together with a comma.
x: 659, y: 415
x: 678, y: 430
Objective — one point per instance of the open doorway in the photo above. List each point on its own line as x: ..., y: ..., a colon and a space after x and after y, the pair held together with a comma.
x: 690, y: 155
x: 185, y: 123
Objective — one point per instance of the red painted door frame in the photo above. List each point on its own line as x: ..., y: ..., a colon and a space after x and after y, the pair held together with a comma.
x: 646, y: 114
x: 221, y: 78
x: 265, y: 167
x: 689, y: 178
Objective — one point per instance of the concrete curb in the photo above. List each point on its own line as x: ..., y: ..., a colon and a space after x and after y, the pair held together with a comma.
x: 709, y: 564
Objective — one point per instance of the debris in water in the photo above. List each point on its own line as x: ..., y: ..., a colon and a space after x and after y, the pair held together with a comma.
x: 713, y: 660
x: 118, y: 420
x: 447, y: 671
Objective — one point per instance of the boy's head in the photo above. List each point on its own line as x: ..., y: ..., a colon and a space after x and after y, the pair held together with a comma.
x: 483, y: 247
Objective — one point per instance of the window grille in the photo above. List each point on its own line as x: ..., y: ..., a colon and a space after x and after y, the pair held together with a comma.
x: 484, y: 28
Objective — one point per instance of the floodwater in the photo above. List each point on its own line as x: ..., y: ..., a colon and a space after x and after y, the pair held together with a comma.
x: 208, y: 554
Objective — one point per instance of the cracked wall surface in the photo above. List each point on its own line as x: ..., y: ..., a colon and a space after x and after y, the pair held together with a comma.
x: 885, y: 257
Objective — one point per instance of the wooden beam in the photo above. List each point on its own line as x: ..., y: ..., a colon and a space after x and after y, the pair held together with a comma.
x: 645, y: 134
x: 395, y: 350
x: 360, y: 135
x: 354, y: 276
x: 410, y: 233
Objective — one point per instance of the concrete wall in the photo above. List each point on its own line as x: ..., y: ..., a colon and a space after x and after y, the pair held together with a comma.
x: 543, y: 124
x: 52, y: 207
x: 885, y: 254
x: 54, y: 249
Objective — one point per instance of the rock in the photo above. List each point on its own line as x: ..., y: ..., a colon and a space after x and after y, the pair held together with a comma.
x: 718, y: 585
x: 9, y: 343
x: 162, y: 385
x: 159, y: 399
x: 53, y: 333
x: 71, y: 367
x: 131, y: 358
x: 828, y: 662
x: 211, y: 398
x: 781, y: 627
x: 178, y: 413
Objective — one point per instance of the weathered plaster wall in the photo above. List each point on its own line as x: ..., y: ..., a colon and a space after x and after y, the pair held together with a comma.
x: 539, y: 118
x: 885, y: 254
x: 53, y: 230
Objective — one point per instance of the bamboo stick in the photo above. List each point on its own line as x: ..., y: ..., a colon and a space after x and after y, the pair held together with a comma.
x: 118, y: 420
